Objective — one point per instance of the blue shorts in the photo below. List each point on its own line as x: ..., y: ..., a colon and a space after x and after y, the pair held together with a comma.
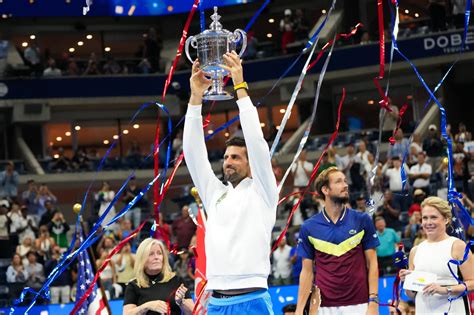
x: 254, y: 303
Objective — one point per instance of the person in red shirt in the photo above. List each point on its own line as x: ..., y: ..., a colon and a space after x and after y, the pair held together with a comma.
x: 183, y: 228
x: 418, y: 197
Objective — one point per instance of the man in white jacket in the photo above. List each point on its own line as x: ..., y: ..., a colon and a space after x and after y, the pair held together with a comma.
x: 241, y: 213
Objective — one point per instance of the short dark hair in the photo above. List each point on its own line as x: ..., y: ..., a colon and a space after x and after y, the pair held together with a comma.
x: 323, y: 179
x: 236, y: 142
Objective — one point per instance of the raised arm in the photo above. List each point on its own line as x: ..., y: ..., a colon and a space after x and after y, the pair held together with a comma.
x: 194, y: 147
x: 257, y: 148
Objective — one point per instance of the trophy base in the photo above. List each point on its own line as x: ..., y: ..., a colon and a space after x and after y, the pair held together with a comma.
x: 213, y: 96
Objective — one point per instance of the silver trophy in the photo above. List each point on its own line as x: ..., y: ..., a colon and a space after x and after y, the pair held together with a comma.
x: 211, y: 45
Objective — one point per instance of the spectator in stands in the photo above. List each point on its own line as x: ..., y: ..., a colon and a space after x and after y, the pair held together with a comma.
x: 361, y: 204
x: 16, y: 276
x: 15, y: 218
x: 177, y: 145
x: 416, y: 142
x: 414, y: 224
x: 296, y: 263
x: 92, y: 68
x: 441, y: 176
x: 5, y: 243
x: 24, y: 248
x: 48, y: 213
x: 432, y: 145
x: 412, y: 157
x: 80, y: 160
x: 388, y: 243
x: 125, y: 230
x: 9, y: 180
x: 365, y: 40
x: 27, y: 225
x: 437, y: 10
x: 134, y: 155
x: 58, y: 228
x: 28, y: 198
x: 44, y: 196
x: 281, y: 267
x: 183, y: 228
x: 418, y: 197
x: 52, y: 70
x: 327, y: 162
x: 124, y: 264
x: 111, y: 66
x: 44, y: 244
x: 252, y: 46
x: 287, y: 31
x: 363, y: 155
x: 420, y: 173
x: 72, y: 67
x: 144, y: 66
x: 400, y: 147
x: 389, y: 212
x: 61, y: 287
x: 108, y: 277
x: 277, y: 170
x: 463, y: 135
x: 390, y: 120
x: 104, y: 197
x: 105, y: 245
x: 61, y: 163
x: 33, y: 58
x: 345, y: 162
x: 461, y: 174
x: 301, y: 171
x: 181, y: 267
x: 301, y: 25
x: 152, y: 49
x: 135, y: 213
x: 35, y: 271
x: 392, y: 171
x: 458, y: 7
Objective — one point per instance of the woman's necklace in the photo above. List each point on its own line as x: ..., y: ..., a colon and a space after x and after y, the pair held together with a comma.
x: 157, y: 278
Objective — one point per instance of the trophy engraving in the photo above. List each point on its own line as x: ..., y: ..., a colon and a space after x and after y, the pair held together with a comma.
x: 211, y: 45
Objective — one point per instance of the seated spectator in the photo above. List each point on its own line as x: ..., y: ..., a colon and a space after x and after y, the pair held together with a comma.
x: 418, y: 197
x: 183, y: 228
x: 181, y: 267
x: 389, y: 212
x: 392, y: 171
x: 52, y: 70
x: 414, y: 224
x: 5, y: 243
x: 124, y: 263
x: 463, y: 135
x: 92, y: 68
x: 24, y: 248
x: 365, y: 40
x: 400, y: 147
x: 44, y: 244
x: 9, y: 180
x: 72, y: 67
x: 58, y: 228
x: 108, y: 277
x: 282, y: 264
x: 60, y: 288
x: 35, y: 271
x: 111, y: 66
x: 388, y: 244
x: 61, y: 163
x: 16, y: 277
x: 80, y: 160
x: 432, y: 145
x: 144, y: 66
x: 420, y: 174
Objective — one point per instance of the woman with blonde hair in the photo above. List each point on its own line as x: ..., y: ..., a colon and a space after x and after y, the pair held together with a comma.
x: 432, y: 255
x: 156, y: 288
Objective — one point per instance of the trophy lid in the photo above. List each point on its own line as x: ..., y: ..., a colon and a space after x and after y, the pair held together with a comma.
x: 215, y: 25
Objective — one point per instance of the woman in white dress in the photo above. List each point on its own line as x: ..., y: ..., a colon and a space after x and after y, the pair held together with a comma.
x: 432, y: 255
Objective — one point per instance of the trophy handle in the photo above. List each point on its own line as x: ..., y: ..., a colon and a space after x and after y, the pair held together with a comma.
x: 239, y: 34
x: 191, y: 40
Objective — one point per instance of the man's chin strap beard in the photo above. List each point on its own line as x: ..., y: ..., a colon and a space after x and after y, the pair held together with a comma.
x: 340, y: 200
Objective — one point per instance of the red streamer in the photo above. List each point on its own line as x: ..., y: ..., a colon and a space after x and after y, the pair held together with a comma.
x: 401, y: 112
x: 315, y: 171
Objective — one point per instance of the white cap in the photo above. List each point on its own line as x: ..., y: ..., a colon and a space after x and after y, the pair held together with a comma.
x: 432, y: 127
x: 287, y: 12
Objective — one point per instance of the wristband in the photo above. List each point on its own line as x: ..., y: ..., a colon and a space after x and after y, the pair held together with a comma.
x: 242, y: 85
x: 374, y: 299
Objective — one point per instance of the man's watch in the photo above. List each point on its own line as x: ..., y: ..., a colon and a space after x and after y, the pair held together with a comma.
x: 242, y: 85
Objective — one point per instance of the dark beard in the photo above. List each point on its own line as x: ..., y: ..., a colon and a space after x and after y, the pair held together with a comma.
x: 234, y: 178
x: 340, y: 200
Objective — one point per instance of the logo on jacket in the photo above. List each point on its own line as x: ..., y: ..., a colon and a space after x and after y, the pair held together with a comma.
x: 352, y: 232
